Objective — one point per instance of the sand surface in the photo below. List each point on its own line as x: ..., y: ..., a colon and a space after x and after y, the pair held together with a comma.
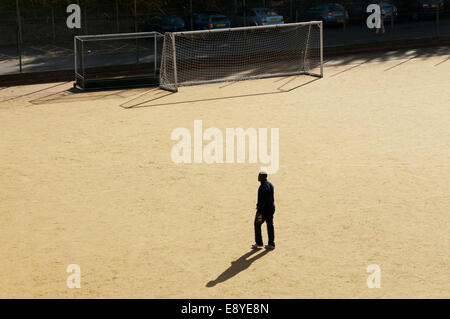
x: 87, y: 179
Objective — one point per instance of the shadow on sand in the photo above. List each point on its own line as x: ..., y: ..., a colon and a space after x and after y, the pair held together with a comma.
x: 238, y: 265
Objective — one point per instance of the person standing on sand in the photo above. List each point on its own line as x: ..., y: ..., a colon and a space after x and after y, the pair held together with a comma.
x: 265, y: 209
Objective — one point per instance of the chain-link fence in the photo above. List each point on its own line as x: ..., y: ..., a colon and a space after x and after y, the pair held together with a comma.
x: 34, y: 35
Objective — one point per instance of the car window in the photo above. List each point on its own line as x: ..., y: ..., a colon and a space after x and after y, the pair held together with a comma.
x: 335, y: 8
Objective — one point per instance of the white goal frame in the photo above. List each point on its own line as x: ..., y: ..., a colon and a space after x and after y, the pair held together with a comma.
x: 169, y: 62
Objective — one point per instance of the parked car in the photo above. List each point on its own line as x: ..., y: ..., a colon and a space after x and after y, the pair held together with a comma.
x: 388, y: 10
x: 210, y: 20
x: 419, y: 9
x: 164, y: 24
x: 358, y: 12
x: 330, y: 14
x: 257, y: 16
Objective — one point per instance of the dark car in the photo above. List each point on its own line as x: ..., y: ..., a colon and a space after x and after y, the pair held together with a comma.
x: 330, y: 14
x: 164, y: 24
x: 358, y: 12
x: 419, y: 9
x: 211, y: 20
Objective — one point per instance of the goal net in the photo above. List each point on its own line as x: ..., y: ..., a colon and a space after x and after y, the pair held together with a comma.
x: 197, y: 57
x: 117, y: 60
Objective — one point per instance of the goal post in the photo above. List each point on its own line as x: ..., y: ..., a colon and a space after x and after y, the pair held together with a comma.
x: 236, y: 54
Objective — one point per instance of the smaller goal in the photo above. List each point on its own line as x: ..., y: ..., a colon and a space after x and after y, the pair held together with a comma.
x: 235, y: 54
x: 117, y: 60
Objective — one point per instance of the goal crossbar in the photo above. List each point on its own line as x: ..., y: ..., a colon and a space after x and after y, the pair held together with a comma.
x: 260, y: 27
x: 118, y: 36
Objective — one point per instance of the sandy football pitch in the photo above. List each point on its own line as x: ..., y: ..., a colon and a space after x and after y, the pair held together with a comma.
x: 87, y: 179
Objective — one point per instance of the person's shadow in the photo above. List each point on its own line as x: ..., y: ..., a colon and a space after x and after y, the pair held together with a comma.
x: 237, y: 266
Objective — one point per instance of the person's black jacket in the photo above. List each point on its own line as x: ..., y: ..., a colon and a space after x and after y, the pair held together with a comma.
x: 265, y: 203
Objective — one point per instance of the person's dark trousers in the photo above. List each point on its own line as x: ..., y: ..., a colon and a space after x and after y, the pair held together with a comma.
x: 259, y: 220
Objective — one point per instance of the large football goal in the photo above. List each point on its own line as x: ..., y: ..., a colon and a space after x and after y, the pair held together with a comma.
x: 198, y: 57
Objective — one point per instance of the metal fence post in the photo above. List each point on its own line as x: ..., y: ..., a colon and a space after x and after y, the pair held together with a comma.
x: 136, y: 30
x: 344, y: 26
x: 437, y: 17
x: 19, y: 50
x: 244, y: 8
x: 117, y: 16
x: 135, y: 17
x: 19, y: 21
x: 191, y: 17
x: 85, y: 20
x: 392, y: 20
x: 19, y: 35
x: 291, y: 11
x: 53, y: 24
x: 79, y: 30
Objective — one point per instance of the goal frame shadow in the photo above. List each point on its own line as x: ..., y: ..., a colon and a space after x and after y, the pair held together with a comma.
x: 164, y: 94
